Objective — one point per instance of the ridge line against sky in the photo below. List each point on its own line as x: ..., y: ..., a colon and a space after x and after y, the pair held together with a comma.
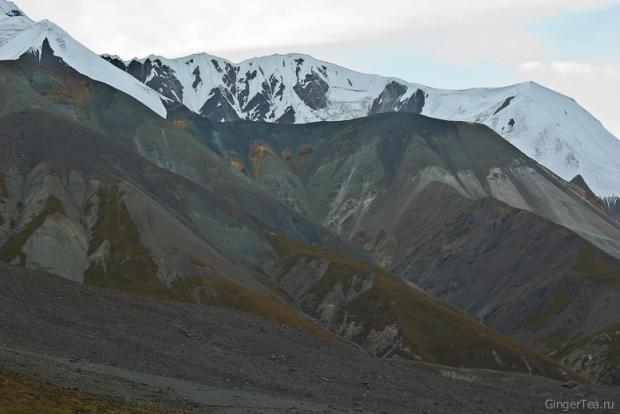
x: 567, y: 45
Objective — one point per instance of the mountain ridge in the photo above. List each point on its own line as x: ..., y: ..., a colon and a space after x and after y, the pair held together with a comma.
x: 297, y: 88
x: 309, y: 224
x: 101, y: 198
x: 20, y: 35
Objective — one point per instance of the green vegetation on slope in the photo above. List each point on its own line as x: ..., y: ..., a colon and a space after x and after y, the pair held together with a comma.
x: 428, y: 328
x: 12, y: 248
x: 592, y: 266
x: 556, y: 340
x: 613, y: 352
x: 25, y: 396
x: 442, y: 334
x: 614, y: 347
x: 128, y: 265
x: 66, y: 90
x: 554, y: 307
x: 4, y: 188
x: 223, y: 292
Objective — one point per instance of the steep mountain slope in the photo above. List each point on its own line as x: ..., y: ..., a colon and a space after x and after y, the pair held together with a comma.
x: 20, y: 35
x: 449, y: 206
x: 82, y: 200
x: 344, y: 175
x: 111, y: 239
x: 547, y: 126
x: 525, y: 276
x: 550, y: 128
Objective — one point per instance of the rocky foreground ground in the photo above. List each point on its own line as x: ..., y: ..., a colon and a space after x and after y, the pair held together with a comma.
x: 204, y: 359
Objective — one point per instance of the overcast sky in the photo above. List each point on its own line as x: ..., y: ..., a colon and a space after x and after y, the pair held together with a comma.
x: 568, y: 45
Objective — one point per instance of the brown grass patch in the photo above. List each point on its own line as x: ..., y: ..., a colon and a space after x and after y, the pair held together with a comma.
x: 24, y: 396
x: 13, y: 247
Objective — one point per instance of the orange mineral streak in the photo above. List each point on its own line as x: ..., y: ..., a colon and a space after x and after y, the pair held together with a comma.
x: 258, y: 153
x: 78, y: 91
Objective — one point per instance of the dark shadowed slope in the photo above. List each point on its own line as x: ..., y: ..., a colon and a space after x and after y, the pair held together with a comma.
x: 347, y: 174
x: 451, y: 207
x: 523, y: 275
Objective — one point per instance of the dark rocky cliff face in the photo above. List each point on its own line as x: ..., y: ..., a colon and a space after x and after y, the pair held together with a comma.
x: 390, y: 100
x: 154, y: 74
x: 312, y: 90
x: 218, y: 107
x: 231, y: 101
x: 164, y: 80
x: 116, y: 62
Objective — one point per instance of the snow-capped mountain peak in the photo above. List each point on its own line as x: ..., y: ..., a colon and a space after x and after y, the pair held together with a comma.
x: 12, y: 21
x: 296, y: 88
x: 547, y: 126
x: 10, y: 9
x: 277, y: 88
x: 19, y: 35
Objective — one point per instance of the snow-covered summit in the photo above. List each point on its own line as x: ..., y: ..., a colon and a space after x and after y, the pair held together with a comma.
x: 12, y: 21
x: 269, y: 88
x: 10, y: 9
x: 547, y: 126
x: 19, y: 35
x: 295, y: 88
